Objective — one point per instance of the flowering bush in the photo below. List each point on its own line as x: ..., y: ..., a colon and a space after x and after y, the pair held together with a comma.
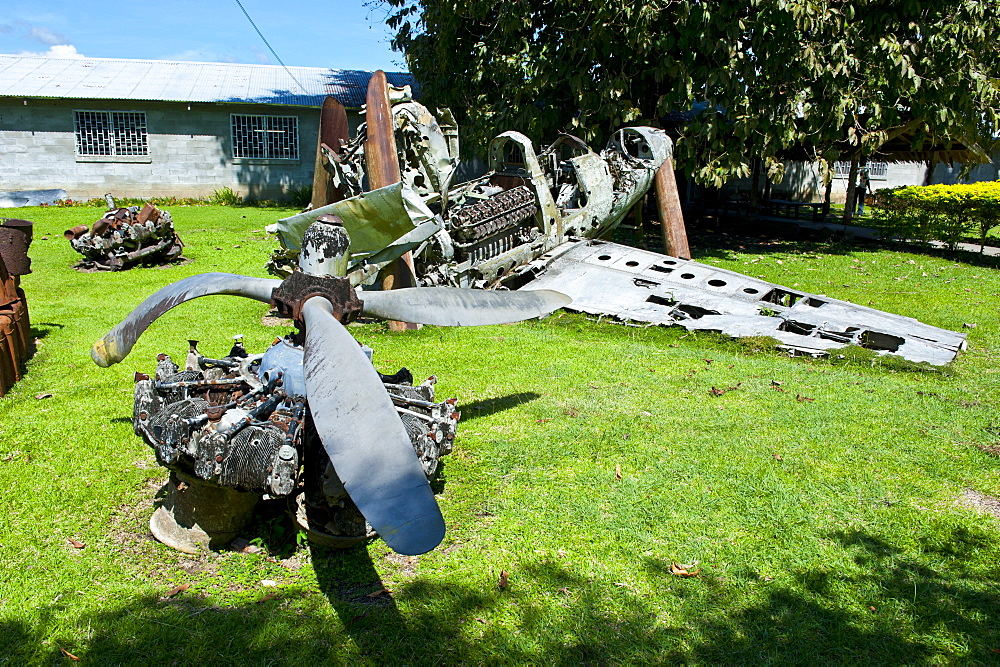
x: 946, y: 213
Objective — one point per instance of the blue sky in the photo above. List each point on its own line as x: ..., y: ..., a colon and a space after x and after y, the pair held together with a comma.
x: 342, y: 34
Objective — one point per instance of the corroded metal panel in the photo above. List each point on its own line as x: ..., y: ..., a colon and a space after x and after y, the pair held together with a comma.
x: 641, y: 286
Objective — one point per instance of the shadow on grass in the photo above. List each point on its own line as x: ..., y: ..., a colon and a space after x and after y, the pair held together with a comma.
x: 42, y: 329
x: 562, y: 616
x: 722, y: 240
x: 490, y: 406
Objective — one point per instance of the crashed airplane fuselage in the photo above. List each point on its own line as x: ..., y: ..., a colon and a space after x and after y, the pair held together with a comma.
x: 535, y: 220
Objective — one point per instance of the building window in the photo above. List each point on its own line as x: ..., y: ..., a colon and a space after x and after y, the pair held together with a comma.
x: 111, y: 133
x: 877, y: 171
x: 266, y: 137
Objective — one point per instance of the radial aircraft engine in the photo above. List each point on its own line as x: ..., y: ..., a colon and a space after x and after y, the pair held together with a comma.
x: 310, y: 419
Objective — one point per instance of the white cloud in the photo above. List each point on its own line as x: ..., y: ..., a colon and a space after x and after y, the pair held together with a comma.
x: 46, y: 36
x: 261, y: 55
x: 56, y: 51
x: 202, y: 56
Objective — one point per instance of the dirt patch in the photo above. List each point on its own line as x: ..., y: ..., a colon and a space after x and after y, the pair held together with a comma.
x: 272, y: 321
x: 405, y: 565
x: 130, y: 523
x: 992, y: 450
x: 980, y: 502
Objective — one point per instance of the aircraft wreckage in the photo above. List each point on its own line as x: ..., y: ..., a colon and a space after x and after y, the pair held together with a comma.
x: 535, y: 220
x: 352, y: 450
x: 310, y: 419
x: 126, y: 236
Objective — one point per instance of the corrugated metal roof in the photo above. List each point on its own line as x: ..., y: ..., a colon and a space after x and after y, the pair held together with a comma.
x: 171, y: 81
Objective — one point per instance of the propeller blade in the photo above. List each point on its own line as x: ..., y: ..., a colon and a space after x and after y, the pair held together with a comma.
x: 364, y: 437
x: 117, y: 343
x: 456, y: 307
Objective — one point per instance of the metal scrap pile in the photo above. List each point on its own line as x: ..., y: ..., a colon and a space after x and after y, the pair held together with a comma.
x: 125, y: 236
x: 238, y: 424
x: 15, y: 330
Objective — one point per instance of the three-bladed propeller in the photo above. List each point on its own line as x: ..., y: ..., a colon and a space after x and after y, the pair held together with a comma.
x: 354, y: 416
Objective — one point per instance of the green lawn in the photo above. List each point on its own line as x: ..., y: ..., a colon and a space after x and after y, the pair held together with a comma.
x: 823, y: 512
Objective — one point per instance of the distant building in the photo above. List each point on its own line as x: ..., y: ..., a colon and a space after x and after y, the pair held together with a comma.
x: 143, y: 128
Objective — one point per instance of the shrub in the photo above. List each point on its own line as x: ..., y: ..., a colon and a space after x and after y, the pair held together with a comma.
x: 946, y: 213
x: 225, y: 197
x: 301, y: 197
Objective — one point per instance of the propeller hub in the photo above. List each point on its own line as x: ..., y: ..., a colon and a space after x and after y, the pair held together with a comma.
x: 289, y: 297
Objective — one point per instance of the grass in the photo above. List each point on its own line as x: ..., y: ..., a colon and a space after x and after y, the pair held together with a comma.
x: 590, y: 458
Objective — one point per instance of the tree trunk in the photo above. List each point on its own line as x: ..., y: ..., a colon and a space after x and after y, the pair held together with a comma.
x: 826, y: 197
x: 852, y: 180
x: 931, y: 166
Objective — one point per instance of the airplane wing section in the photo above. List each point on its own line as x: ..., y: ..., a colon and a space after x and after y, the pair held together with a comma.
x: 640, y: 286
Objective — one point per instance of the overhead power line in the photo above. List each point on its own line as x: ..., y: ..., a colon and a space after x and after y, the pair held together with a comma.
x: 264, y: 39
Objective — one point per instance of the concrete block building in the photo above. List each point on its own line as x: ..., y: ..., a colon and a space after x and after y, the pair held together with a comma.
x: 141, y: 128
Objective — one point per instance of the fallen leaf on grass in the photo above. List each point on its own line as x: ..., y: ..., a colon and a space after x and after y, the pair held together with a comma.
x: 68, y: 654
x: 564, y: 591
x: 42, y: 395
x: 871, y: 608
x: 714, y: 391
x: 618, y: 471
x: 177, y: 591
x: 375, y: 594
x: 269, y: 596
x: 777, y: 456
x: 480, y: 620
x: 803, y: 399
x: 679, y: 571
x: 504, y: 580
x: 77, y: 545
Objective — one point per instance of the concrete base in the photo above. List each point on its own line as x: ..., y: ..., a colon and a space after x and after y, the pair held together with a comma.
x: 197, y: 516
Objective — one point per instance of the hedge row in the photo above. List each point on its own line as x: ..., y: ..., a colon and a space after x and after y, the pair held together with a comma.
x: 946, y: 213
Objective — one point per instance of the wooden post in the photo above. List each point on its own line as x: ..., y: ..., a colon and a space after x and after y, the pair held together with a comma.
x: 383, y: 170
x: 675, y: 242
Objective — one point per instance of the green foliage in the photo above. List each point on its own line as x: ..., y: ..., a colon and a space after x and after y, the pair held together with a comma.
x: 946, y: 213
x: 225, y: 197
x: 760, y: 76
x: 162, y: 202
x: 300, y: 197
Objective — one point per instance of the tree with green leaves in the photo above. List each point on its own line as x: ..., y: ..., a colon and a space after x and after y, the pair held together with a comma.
x: 756, y: 77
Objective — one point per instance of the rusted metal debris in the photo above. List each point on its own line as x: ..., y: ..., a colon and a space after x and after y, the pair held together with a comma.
x: 15, y: 328
x: 535, y: 220
x: 126, y: 236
